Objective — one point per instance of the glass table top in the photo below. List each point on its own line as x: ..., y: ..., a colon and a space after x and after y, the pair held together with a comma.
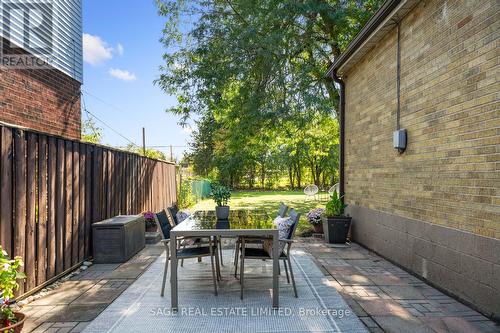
x: 238, y: 219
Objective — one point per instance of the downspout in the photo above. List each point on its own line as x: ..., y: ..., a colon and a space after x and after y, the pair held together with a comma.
x: 342, y: 132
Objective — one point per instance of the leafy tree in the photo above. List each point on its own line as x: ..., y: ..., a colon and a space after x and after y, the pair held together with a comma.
x: 271, y: 53
x: 151, y: 153
x: 90, y: 131
x: 203, y: 146
x: 253, y: 72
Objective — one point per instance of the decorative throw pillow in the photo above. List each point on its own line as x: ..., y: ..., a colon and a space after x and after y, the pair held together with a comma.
x: 182, y: 215
x: 283, y: 224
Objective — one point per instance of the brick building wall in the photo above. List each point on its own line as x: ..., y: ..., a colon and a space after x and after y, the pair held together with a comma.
x: 44, y: 100
x: 434, y: 209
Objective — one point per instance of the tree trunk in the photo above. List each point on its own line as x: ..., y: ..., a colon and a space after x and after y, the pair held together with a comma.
x: 262, y: 175
x: 313, y: 166
x: 290, y: 177
x: 318, y: 170
x: 251, y: 177
x: 298, y: 175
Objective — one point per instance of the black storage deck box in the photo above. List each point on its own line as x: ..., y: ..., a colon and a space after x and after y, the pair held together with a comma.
x: 118, y: 238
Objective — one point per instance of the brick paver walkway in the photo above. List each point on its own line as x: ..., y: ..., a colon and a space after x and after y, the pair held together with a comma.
x: 389, y: 299
x: 385, y: 297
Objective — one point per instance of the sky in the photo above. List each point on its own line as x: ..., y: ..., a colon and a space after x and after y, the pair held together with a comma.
x: 122, y: 55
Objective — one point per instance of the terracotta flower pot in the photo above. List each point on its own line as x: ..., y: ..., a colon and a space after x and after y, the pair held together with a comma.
x: 17, y: 327
x: 318, y: 228
x: 151, y: 228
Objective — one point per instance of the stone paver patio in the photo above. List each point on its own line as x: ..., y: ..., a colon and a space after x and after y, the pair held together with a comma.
x: 82, y: 298
x: 387, y: 298
x: 384, y: 297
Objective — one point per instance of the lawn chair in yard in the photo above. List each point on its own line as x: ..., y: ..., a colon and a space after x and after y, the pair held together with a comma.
x: 265, y: 252
x: 281, y: 213
x: 333, y: 189
x: 199, y: 250
x: 311, y: 191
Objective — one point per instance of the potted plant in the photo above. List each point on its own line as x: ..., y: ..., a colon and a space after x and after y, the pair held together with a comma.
x: 10, y: 320
x: 314, y: 218
x: 221, y: 196
x: 149, y: 218
x: 335, y: 224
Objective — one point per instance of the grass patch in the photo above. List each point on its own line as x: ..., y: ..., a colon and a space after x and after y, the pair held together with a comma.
x: 269, y: 201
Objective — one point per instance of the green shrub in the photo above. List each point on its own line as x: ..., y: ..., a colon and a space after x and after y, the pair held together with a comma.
x: 221, y: 195
x: 185, y: 197
x: 335, y: 207
x: 9, y: 274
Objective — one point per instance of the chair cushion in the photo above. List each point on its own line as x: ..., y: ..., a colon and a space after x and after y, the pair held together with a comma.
x: 195, y: 251
x: 283, y: 224
x: 258, y: 253
x: 164, y: 224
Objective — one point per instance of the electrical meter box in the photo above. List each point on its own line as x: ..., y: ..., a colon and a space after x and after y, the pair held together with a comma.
x: 399, y: 140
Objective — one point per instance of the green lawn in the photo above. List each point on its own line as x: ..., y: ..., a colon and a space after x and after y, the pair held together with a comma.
x: 269, y: 201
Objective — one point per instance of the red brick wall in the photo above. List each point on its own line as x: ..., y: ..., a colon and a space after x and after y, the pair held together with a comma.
x: 43, y: 100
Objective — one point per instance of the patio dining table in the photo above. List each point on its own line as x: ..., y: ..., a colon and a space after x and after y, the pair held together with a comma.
x: 240, y: 223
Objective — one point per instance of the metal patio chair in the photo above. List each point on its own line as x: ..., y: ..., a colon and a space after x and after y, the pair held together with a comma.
x: 185, y: 241
x: 282, y: 209
x: 262, y: 254
x: 173, y: 210
x: 207, y: 249
x: 311, y: 191
x: 182, y: 241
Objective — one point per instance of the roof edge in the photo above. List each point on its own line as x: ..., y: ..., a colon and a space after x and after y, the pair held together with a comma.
x: 373, y: 23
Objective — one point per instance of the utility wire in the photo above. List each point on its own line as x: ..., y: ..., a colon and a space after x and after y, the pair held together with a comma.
x: 167, y: 146
x: 159, y: 147
x: 122, y: 111
x: 103, y: 101
x: 105, y: 124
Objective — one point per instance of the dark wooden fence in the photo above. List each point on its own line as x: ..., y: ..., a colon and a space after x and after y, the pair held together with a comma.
x: 53, y: 189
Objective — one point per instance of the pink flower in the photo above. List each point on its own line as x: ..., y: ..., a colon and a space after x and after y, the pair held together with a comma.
x: 148, y: 215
